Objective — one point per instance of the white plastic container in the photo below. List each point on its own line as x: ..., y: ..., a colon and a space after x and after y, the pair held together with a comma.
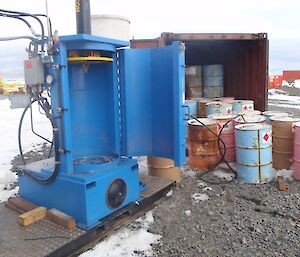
x: 111, y: 26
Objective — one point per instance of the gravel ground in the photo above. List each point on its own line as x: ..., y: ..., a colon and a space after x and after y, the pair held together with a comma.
x: 236, y: 220
x: 232, y: 219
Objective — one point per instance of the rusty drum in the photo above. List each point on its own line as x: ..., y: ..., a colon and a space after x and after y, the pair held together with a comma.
x: 296, y: 163
x: 202, y: 107
x: 283, y: 141
x: 203, y: 145
x: 227, y: 134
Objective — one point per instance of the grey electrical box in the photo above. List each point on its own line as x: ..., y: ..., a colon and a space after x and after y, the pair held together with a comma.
x: 34, y: 71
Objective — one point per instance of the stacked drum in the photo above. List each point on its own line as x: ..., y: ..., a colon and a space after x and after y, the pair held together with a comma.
x: 213, y: 80
x: 193, y: 81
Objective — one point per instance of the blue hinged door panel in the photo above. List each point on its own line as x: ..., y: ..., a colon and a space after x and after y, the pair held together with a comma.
x: 152, y: 98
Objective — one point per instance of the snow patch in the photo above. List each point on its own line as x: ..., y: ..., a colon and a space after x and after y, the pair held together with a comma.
x: 275, y: 91
x: 6, y: 193
x: 188, y: 213
x: 127, y: 241
x: 169, y: 193
x: 9, y: 143
x: 290, y: 98
x: 293, y: 83
x: 197, y: 197
x: 143, y: 164
x: 292, y: 106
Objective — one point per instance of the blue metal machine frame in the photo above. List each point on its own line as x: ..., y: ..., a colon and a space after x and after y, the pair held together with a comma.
x: 110, y: 111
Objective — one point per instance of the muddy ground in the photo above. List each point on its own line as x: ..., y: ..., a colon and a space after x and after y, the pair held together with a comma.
x: 231, y: 219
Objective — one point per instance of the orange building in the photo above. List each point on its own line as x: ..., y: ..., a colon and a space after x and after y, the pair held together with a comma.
x: 275, y: 81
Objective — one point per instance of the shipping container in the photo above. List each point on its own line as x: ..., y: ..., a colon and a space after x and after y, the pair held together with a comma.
x: 245, y: 58
x: 291, y: 75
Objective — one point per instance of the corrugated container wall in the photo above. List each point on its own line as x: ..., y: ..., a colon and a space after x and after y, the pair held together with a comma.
x: 245, y: 59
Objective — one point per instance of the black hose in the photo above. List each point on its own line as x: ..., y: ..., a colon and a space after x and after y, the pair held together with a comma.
x: 50, y: 23
x: 20, y: 130
x: 32, y: 128
x: 220, y: 134
x: 22, y: 14
x: 222, y: 153
x: 21, y: 19
x: 29, y: 173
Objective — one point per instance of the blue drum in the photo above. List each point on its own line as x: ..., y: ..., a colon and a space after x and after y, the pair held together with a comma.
x: 192, y: 108
x: 218, y: 107
x: 242, y: 105
x: 213, y: 82
x: 254, y: 152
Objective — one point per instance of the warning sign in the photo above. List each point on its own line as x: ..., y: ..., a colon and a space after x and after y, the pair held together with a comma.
x: 266, y: 137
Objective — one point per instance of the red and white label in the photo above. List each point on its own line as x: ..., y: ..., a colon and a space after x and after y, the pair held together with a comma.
x: 266, y: 137
x: 28, y: 64
x: 228, y: 110
x: 247, y: 107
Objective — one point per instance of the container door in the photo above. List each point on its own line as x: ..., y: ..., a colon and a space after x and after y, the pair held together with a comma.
x: 152, y: 98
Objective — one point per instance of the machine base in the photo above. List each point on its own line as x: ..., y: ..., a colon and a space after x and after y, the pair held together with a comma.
x: 89, y: 197
x: 44, y: 238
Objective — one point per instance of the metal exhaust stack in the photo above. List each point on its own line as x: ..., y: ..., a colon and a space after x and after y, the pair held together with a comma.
x: 83, y: 16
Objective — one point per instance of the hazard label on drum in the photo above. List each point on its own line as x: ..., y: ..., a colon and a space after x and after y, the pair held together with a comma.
x: 266, y: 137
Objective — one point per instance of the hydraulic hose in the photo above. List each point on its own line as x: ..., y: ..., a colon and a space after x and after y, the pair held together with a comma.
x: 22, y: 14
x: 16, y: 37
x: 21, y: 19
x: 29, y: 173
x: 222, y: 153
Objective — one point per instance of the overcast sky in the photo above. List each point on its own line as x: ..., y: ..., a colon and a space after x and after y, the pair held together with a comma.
x: 279, y: 18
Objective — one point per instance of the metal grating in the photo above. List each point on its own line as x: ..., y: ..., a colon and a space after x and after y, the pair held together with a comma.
x: 154, y: 184
x: 38, y: 239
x: 44, y: 237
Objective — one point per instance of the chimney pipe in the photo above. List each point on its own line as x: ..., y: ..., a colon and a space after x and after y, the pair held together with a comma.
x: 83, y: 16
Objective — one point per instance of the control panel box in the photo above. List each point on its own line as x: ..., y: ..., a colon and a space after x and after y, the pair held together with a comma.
x: 34, y: 71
